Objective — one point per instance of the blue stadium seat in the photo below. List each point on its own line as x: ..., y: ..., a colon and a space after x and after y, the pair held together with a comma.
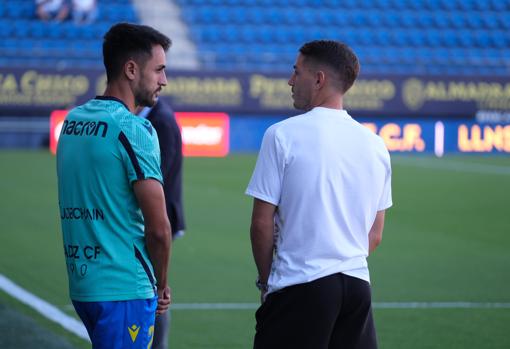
x: 18, y: 10
x: 425, y: 20
x: 500, y: 39
x: 489, y: 20
x: 399, y: 4
x: 465, y: 38
x: 473, y: 20
x: 399, y: 38
x: 433, y: 38
x: 326, y: 18
x: 458, y: 21
x: 239, y: 15
x: 482, y: 5
x: 358, y: 19
x: 6, y: 30
x: 333, y: 3
x: 281, y: 35
x: 449, y: 38
x: 481, y: 39
x: 390, y: 20
x: 466, y: 5
x: 441, y: 20
x: 365, y: 37
x: 21, y: 28
x: 210, y: 34
x: 340, y: 19
x: 416, y: 38
x: 382, y: 38
x: 41, y: 30
x: 224, y: 15
x: 256, y: 16
x: 431, y: 5
x: 416, y: 5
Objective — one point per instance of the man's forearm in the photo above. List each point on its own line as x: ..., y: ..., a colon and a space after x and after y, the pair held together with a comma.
x: 375, y: 234
x: 262, y: 236
x: 159, y: 247
x: 373, y: 242
x: 262, y: 247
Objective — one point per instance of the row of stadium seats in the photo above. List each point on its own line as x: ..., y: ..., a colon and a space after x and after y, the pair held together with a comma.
x: 225, y: 62
x: 25, y: 41
x: 443, y: 36
x: 455, y: 5
x: 371, y: 55
x: 26, y: 9
x: 266, y: 34
x: 352, y: 18
x: 50, y: 62
x: 26, y: 29
x: 41, y: 48
x: 424, y: 36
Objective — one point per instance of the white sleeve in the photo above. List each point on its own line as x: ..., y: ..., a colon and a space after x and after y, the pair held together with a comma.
x: 267, y: 178
x: 386, y: 200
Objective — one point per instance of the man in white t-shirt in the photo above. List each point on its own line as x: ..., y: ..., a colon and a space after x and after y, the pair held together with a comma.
x: 321, y: 186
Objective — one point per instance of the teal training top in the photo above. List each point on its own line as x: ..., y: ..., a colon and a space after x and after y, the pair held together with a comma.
x: 102, y: 150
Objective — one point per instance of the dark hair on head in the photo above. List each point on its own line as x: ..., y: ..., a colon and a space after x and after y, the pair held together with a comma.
x: 125, y: 41
x: 335, y: 55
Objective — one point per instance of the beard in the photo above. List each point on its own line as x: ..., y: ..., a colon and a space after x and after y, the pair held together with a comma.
x: 302, y: 98
x: 144, y: 97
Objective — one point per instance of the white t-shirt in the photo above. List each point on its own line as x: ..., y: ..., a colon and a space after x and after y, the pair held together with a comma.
x: 52, y: 5
x: 83, y: 5
x: 328, y: 175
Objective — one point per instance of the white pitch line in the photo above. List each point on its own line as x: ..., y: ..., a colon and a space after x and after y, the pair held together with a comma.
x: 376, y: 305
x: 44, y: 308
x: 440, y: 305
x: 214, y: 306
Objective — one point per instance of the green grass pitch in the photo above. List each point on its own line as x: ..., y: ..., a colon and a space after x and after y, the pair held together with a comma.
x: 447, y: 239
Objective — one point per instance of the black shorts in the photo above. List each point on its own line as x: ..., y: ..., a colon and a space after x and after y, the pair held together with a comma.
x: 331, y: 312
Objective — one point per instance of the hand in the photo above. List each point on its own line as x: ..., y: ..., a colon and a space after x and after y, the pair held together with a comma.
x: 164, y: 300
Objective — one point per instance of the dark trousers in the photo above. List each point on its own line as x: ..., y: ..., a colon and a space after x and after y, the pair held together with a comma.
x: 161, y: 329
x: 332, y: 312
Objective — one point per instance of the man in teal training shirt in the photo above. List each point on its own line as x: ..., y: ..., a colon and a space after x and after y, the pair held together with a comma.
x: 116, y: 232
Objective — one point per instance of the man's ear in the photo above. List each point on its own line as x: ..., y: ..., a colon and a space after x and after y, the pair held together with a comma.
x: 320, y: 79
x: 131, y: 69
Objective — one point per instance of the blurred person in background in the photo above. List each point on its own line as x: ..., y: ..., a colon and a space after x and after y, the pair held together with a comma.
x: 115, y: 229
x: 52, y: 10
x: 163, y: 120
x: 84, y: 11
x: 321, y: 185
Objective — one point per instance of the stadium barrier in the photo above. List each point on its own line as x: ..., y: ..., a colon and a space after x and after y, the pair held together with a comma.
x: 38, y: 92
x: 411, y: 113
x: 217, y: 134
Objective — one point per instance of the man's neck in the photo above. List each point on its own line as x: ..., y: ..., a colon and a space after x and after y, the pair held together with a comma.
x: 123, y: 93
x: 330, y: 101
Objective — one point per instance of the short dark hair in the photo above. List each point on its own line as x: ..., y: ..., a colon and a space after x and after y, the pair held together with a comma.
x: 125, y: 41
x: 336, y: 55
